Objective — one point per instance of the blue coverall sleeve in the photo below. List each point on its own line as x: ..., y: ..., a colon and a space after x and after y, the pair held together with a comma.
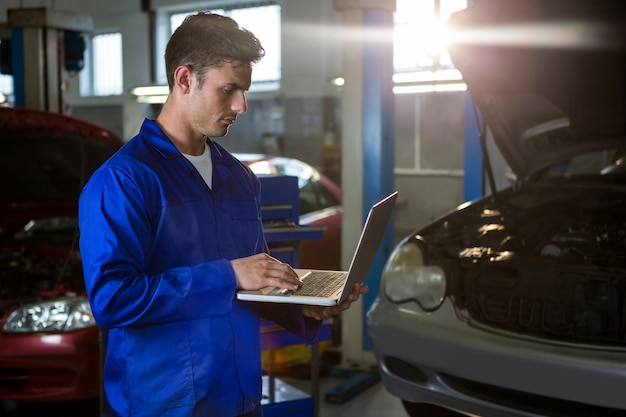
x: 116, y: 239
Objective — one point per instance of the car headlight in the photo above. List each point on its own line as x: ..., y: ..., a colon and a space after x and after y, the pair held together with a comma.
x: 406, y: 278
x: 59, y: 315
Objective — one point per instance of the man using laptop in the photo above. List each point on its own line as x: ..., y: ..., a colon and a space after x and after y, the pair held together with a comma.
x: 170, y: 230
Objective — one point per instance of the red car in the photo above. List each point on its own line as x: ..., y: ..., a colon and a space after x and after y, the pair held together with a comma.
x: 320, y: 206
x: 49, y: 341
x: 49, y: 348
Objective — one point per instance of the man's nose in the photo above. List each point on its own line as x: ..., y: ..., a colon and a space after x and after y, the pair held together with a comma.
x: 240, y: 104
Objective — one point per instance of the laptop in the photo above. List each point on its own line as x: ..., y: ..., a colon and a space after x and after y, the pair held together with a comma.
x: 328, y: 288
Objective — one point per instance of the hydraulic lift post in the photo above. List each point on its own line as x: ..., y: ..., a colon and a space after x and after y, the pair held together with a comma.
x: 39, y: 55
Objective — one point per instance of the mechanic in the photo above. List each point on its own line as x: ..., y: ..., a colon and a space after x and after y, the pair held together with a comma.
x: 171, y: 229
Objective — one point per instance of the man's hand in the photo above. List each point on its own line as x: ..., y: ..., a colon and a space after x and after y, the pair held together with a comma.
x: 261, y: 270
x: 321, y: 313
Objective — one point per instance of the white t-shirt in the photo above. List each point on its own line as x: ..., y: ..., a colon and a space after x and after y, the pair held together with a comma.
x: 203, y: 164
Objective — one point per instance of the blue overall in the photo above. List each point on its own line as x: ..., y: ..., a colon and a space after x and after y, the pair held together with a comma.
x: 155, y: 242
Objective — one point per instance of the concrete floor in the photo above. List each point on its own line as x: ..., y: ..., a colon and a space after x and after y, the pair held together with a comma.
x: 374, y: 401
x: 335, y: 398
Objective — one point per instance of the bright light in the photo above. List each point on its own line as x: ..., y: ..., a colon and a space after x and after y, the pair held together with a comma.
x: 427, y: 76
x: 422, y: 81
x: 151, y: 94
x: 421, y: 36
x: 158, y: 99
x: 150, y: 90
x: 583, y: 35
x: 428, y: 88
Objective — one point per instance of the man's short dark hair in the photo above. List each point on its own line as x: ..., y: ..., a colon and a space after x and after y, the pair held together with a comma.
x: 206, y: 40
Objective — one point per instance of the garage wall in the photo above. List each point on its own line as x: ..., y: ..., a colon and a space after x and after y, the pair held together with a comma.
x: 429, y: 127
x: 429, y: 145
x: 301, y: 123
x: 429, y: 151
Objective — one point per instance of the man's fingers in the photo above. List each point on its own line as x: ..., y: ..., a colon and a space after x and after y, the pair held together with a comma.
x: 262, y: 270
x: 320, y: 313
x: 282, y: 275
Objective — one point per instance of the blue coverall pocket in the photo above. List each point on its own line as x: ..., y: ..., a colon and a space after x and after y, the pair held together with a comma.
x: 159, y: 367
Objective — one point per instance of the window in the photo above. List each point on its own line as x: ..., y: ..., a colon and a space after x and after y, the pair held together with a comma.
x: 264, y: 22
x: 102, y: 75
x: 419, y: 33
x: 421, y: 63
x: 6, y: 90
x: 427, y: 123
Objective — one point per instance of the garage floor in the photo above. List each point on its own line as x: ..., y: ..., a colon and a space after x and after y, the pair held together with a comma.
x: 374, y: 401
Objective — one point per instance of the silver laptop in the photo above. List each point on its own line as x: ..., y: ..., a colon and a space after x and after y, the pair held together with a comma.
x: 327, y: 288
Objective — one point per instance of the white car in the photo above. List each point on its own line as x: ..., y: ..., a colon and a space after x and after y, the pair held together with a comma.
x: 515, y: 304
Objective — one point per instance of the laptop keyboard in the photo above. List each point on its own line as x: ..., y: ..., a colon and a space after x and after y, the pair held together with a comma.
x: 321, y: 284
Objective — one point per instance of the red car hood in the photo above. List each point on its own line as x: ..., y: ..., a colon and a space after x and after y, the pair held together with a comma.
x: 45, y: 159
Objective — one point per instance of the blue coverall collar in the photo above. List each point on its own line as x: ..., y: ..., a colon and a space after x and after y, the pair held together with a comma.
x: 162, y: 144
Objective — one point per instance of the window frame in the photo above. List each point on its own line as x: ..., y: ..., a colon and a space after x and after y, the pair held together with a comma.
x: 88, y: 76
x: 259, y: 84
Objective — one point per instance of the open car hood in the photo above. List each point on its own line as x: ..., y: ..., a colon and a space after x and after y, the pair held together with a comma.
x: 547, y: 75
x: 45, y: 159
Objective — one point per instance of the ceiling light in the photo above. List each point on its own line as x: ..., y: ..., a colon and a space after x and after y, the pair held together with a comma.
x: 150, y: 90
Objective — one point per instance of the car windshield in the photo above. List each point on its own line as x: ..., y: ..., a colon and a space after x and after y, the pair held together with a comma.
x: 604, y: 162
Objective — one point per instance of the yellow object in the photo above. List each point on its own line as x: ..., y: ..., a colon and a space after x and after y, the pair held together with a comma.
x: 290, y: 355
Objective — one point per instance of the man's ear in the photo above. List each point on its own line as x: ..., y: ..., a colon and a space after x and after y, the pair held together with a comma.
x: 183, y: 78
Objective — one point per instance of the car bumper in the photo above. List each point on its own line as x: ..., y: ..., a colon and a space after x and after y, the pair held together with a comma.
x: 50, y: 367
x: 437, y: 358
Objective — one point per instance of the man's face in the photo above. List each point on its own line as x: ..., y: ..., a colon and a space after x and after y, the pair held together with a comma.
x: 215, y: 105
